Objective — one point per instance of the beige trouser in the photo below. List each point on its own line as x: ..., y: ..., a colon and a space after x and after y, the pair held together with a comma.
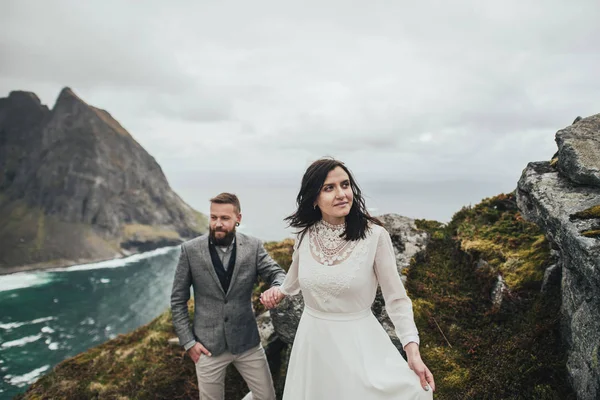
x: 251, y: 364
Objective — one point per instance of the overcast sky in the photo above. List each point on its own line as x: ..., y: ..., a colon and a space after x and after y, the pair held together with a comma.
x: 400, y: 90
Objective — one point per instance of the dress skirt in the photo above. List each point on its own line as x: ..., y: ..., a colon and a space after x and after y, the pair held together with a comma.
x: 347, y: 356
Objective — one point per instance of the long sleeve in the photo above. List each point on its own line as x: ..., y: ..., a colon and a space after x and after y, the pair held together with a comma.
x: 291, y: 285
x: 268, y: 269
x: 397, y: 303
x: 180, y: 294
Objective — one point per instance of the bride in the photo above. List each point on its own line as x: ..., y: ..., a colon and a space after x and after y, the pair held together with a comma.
x: 341, y: 254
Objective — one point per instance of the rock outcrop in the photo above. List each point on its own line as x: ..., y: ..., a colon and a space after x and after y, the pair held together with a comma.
x: 76, y: 187
x: 407, y: 241
x: 563, y: 198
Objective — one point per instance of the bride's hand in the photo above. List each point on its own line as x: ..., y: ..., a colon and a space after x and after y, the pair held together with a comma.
x: 270, y: 298
x: 418, y: 366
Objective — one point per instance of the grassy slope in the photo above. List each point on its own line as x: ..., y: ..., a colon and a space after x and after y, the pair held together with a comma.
x: 139, y: 365
x: 477, y: 350
x: 29, y: 237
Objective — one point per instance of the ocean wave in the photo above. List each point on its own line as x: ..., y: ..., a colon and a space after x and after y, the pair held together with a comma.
x: 28, y: 378
x: 21, y: 342
x: 117, y: 262
x: 22, y: 280
x: 13, y: 325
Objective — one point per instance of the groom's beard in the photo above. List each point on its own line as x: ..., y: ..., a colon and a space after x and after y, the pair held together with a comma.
x: 223, y: 241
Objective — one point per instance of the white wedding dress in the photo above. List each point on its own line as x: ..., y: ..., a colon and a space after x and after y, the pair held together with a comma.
x: 341, y: 351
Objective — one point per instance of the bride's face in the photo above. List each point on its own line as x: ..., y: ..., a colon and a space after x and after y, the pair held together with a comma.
x: 335, y: 198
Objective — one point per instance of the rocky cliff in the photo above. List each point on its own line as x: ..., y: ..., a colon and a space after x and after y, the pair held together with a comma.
x: 563, y: 197
x: 76, y: 187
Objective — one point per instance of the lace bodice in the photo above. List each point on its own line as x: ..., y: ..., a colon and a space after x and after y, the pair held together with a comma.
x: 339, y: 276
x: 326, y: 244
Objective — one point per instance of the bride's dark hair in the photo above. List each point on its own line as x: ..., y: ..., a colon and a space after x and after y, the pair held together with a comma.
x: 357, y: 221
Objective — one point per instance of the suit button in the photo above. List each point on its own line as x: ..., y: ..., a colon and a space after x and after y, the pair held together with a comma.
x: 225, y: 301
x: 226, y: 319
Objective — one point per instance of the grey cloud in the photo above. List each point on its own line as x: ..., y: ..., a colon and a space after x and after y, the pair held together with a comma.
x: 84, y: 45
x: 435, y: 87
x: 192, y: 106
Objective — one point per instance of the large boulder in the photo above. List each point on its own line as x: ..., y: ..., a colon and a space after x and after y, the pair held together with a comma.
x: 579, y: 151
x: 565, y: 203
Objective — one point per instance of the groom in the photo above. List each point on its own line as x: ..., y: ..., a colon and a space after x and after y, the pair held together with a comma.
x: 222, y: 268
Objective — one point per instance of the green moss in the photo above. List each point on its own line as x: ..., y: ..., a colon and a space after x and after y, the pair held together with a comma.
x: 527, y: 264
x: 590, y: 213
x: 22, y: 232
x: 18, y: 212
x: 594, y: 233
x: 477, y: 351
x: 449, y: 374
x: 147, y: 233
x: 281, y: 252
x: 429, y: 225
x: 495, y: 231
x: 41, y: 232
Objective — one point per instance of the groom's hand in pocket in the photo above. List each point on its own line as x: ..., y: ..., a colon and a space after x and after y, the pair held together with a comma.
x: 198, y: 351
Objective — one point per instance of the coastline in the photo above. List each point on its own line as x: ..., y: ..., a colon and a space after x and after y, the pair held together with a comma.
x: 64, y: 264
x: 55, y: 264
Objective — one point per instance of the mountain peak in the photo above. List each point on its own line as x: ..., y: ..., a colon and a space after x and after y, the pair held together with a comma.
x: 67, y: 91
x: 68, y: 102
x: 24, y: 94
x: 67, y: 96
x: 92, y: 191
x: 23, y: 99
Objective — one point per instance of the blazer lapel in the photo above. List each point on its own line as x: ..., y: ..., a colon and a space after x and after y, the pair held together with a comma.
x: 209, y: 265
x: 240, y: 253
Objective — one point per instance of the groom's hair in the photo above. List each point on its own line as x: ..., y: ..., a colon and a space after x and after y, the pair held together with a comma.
x: 228, y: 198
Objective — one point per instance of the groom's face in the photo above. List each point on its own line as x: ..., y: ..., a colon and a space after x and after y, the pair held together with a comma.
x: 223, y: 219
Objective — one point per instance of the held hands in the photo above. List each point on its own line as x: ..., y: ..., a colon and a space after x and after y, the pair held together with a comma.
x: 418, y: 366
x: 270, y: 298
x: 197, y: 351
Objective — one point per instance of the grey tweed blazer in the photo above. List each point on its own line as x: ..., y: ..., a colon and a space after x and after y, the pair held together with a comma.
x: 222, y: 321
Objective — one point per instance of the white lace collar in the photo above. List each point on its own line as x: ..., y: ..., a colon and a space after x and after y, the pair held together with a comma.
x: 326, y: 244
